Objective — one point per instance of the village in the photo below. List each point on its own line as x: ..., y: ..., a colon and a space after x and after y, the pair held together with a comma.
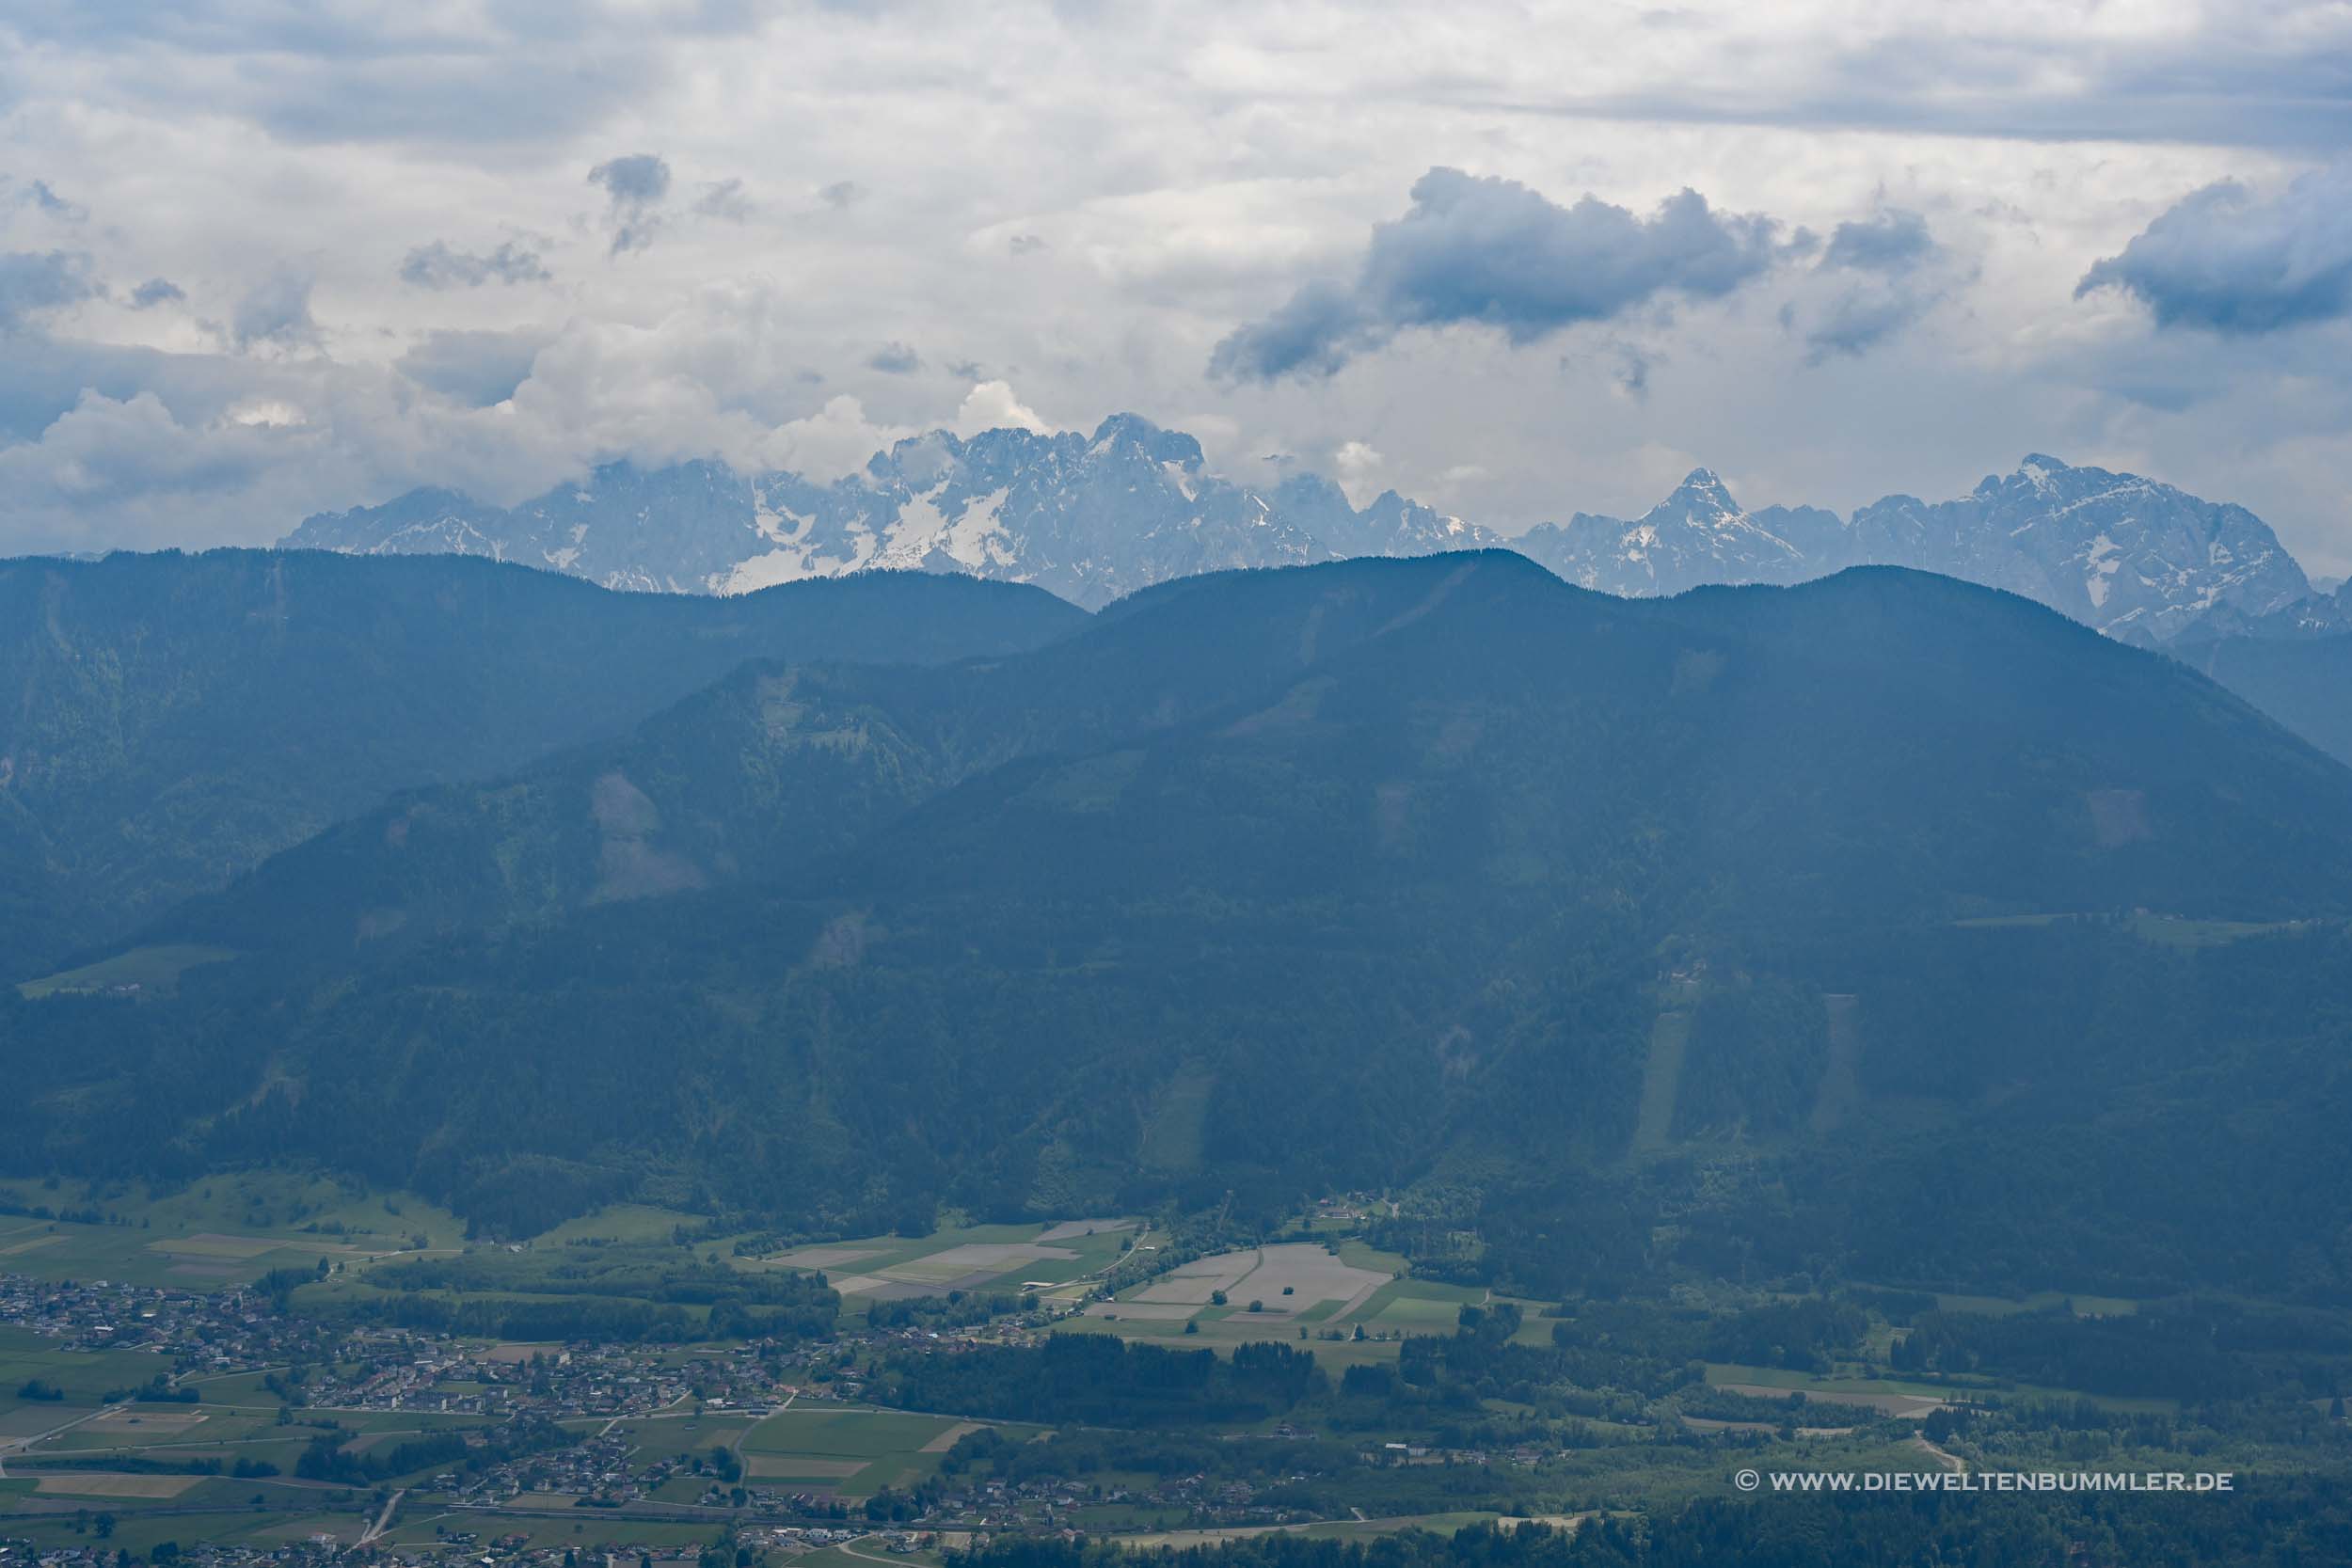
x: 602, y: 1460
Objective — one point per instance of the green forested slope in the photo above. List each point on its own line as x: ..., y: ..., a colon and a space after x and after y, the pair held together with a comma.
x: 173, y: 721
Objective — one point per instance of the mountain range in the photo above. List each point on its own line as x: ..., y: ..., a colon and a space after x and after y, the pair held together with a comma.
x: 1093, y: 518
x: 1370, y: 873
x: 1088, y: 518
x: 176, y: 720
x: 2128, y: 556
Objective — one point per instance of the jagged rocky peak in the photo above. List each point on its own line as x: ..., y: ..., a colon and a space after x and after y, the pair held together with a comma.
x: 2128, y: 555
x: 1704, y: 484
x: 1698, y: 534
x: 2036, y: 470
x: 1133, y: 431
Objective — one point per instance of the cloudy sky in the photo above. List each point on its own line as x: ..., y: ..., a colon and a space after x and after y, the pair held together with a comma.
x: 259, y: 258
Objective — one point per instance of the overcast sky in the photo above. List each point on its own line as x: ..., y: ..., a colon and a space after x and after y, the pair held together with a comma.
x: 259, y: 258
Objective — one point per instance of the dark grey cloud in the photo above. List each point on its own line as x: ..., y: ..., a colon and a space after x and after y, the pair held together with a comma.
x: 842, y: 194
x: 275, y: 311
x: 636, y: 183
x: 39, y: 195
x: 1495, y: 253
x: 1858, y: 319
x: 42, y: 377
x: 1891, y: 240
x: 726, y: 199
x: 440, y: 267
x: 636, y: 179
x: 1322, y: 326
x: 156, y: 291
x: 1026, y: 245
x: 894, y: 359
x: 478, y: 369
x: 32, y: 282
x: 2224, y: 259
x: 1878, y: 276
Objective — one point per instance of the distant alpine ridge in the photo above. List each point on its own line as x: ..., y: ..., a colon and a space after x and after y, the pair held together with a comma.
x: 1094, y: 517
x: 1090, y: 518
x: 2131, y: 557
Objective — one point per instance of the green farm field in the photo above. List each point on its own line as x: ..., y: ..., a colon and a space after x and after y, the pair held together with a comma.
x: 141, y: 1534
x: 84, y: 1377
x: 855, y: 1451
x: 225, y: 1230
x: 140, y: 971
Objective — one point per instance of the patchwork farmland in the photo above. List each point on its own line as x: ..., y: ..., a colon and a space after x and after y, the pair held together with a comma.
x: 1351, y: 1300
x: 1055, y: 1260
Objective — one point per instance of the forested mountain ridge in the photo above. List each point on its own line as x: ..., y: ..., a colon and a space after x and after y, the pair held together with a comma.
x: 1373, y: 873
x: 1882, y: 738
x: 774, y: 767
x: 176, y: 719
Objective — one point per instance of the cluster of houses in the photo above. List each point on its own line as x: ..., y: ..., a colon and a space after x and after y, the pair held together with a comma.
x: 220, y: 1330
x: 403, y: 1369
x: 375, y: 1369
